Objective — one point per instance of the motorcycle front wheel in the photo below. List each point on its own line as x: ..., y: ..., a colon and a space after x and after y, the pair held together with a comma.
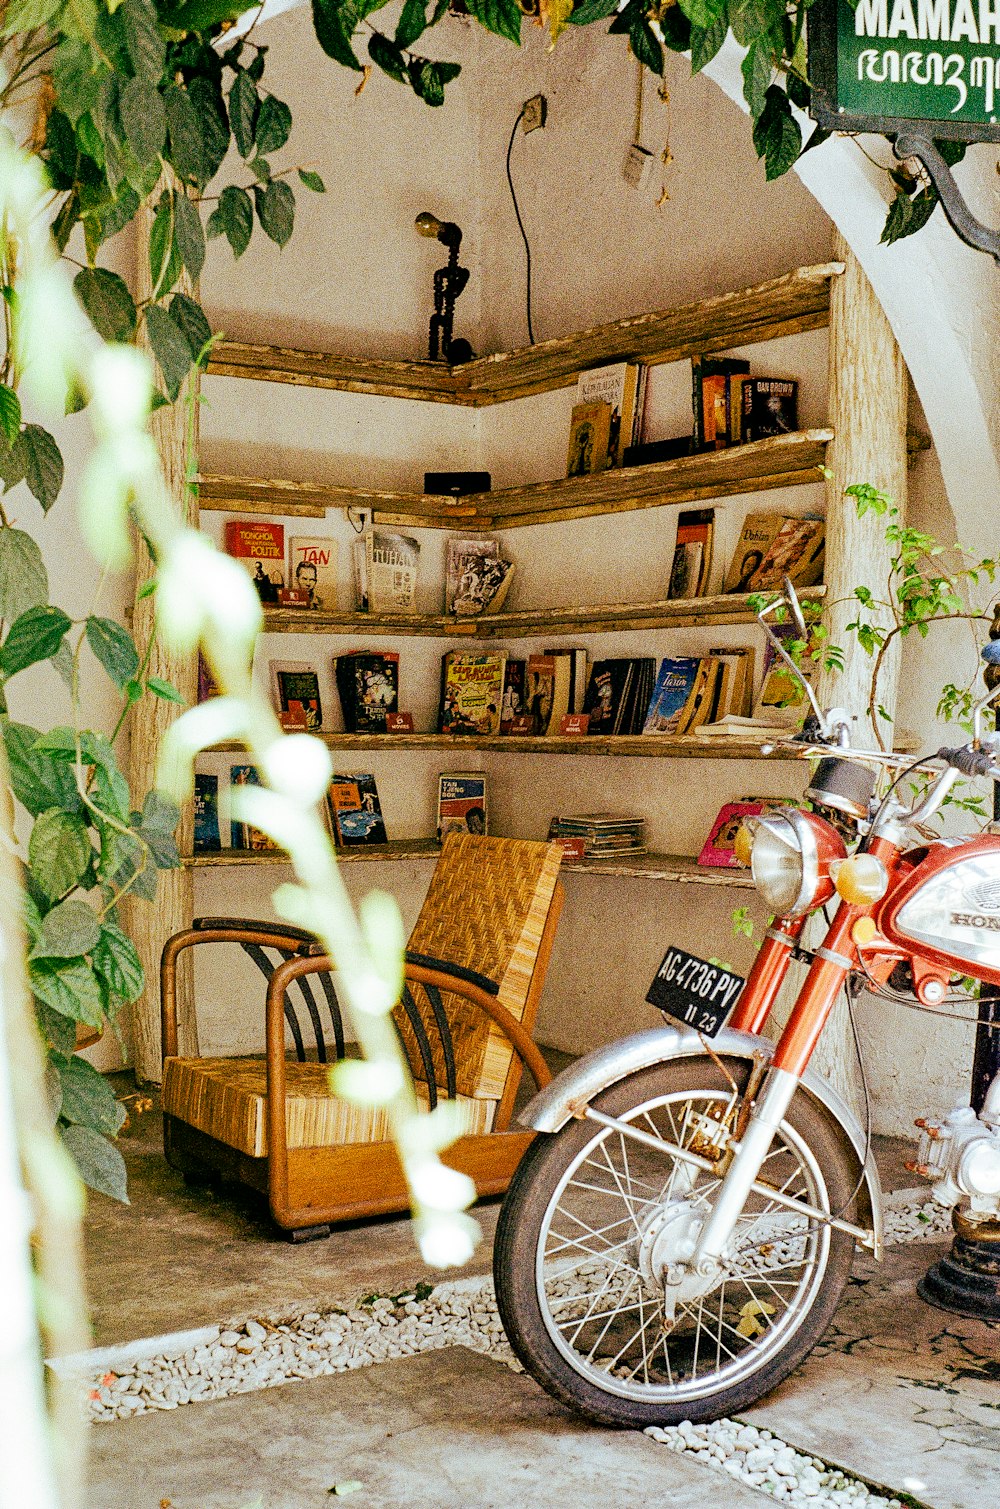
x: 594, y: 1220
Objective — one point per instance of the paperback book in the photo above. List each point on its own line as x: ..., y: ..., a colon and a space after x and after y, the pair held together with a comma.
x: 295, y: 691
x: 368, y: 688
x: 589, y: 434
x: 605, y: 834
x: 712, y: 400
x: 782, y: 698
x: 391, y: 562
x: 206, y: 814
x: 692, y: 553
x: 756, y: 538
x: 355, y: 810
x: 770, y: 407
x: 461, y: 803
x: 797, y: 551
x: 539, y: 691
x: 243, y: 835
x: 312, y: 569
x: 477, y: 579
x: 512, y: 703
x: 618, y: 694
x: 471, y: 692
x: 719, y: 847
x: 672, y: 696
x: 622, y: 387
x: 259, y: 545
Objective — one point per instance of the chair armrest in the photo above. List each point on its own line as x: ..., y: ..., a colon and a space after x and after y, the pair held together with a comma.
x: 456, y: 971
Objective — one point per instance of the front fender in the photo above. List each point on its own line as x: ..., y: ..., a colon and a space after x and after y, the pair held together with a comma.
x: 585, y: 1079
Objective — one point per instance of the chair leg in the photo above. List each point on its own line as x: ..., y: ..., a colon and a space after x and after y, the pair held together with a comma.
x: 309, y: 1233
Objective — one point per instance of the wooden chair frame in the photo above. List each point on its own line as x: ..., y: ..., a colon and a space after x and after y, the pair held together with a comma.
x: 313, y: 1187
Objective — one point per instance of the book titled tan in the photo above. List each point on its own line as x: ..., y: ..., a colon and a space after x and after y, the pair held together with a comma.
x: 312, y: 568
x: 589, y: 433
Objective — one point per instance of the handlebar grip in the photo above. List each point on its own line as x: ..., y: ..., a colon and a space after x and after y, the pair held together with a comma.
x: 970, y: 761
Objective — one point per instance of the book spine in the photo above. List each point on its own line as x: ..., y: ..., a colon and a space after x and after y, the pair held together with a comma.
x: 698, y: 426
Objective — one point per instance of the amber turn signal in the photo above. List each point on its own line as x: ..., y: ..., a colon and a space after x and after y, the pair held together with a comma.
x: 743, y: 844
x: 860, y: 879
x: 863, y: 931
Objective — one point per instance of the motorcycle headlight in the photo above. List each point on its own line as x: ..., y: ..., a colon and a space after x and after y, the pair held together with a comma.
x: 790, y: 860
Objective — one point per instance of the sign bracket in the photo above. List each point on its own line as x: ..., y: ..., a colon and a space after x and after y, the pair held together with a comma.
x: 915, y: 144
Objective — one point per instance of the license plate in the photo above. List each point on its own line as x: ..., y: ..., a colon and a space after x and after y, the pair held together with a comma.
x: 693, y: 991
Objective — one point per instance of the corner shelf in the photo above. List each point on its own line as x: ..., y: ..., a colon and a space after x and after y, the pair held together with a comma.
x: 760, y: 466
x: 673, y: 613
x: 798, y: 301
x: 670, y: 867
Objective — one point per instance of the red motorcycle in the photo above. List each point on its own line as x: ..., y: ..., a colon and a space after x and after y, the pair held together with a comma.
x: 679, y: 1235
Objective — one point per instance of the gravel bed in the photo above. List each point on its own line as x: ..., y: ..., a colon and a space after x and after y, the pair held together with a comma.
x: 263, y: 1351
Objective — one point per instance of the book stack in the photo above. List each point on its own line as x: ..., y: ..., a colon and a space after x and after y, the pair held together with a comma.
x: 732, y: 408
x: 691, y: 691
x: 607, y: 417
x: 618, y: 694
x: 605, y: 835
x: 692, y: 553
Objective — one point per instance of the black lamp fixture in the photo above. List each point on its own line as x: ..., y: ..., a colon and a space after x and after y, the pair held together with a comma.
x: 449, y: 282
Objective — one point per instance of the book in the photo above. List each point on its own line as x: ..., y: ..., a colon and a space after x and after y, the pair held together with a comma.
x: 718, y: 848
x: 756, y: 537
x: 207, y: 685
x: 206, y: 814
x: 512, y: 701
x: 562, y: 687
x: 589, y: 432
x: 604, y: 834
x: 733, y: 726
x: 355, y: 810
x: 312, y: 569
x: 368, y: 688
x: 359, y: 573
x: 702, y: 699
x: 692, y: 553
x: 391, y: 561
x: 607, y: 689
x: 243, y: 835
x: 735, y: 691
x: 622, y: 387
x: 668, y: 705
x: 461, y: 803
x: 295, y: 692
x: 797, y: 551
x: 782, y: 698
x: 476, y: 577
x: 259, y: 545
x: 539, y: 691
x: 471, y: 692
x: 770, y: 407
x: 710, y: 399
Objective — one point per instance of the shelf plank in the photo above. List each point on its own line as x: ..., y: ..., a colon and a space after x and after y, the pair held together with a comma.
x: 761, y: 466
x: 628, y: 746
x: 650, y: 866
x: 798, y: 301
x: 675, y: 613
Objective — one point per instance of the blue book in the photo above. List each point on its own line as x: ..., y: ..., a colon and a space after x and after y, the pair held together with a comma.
x: 206, y: 814
x: 674, y: 685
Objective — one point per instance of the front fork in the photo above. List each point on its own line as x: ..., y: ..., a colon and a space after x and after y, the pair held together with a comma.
x: 831, y: 964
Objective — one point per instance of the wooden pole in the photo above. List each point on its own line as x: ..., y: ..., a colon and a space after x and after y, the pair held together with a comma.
x: 175, y: 429
x: 868, y: 391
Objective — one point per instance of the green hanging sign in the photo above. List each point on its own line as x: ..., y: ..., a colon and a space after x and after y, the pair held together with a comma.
x: 897, y: 65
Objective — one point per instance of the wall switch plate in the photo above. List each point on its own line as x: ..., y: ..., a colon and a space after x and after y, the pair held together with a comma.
x: 534, y: 113
x: 637, y: 166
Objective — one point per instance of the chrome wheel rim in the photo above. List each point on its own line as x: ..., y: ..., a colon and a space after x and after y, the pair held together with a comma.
x: 601, y: 1307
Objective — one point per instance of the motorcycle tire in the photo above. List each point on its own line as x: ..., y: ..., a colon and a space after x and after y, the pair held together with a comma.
x: 614, y: 1220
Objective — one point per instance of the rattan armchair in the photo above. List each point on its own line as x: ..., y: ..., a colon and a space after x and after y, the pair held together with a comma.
x: 474, y: 972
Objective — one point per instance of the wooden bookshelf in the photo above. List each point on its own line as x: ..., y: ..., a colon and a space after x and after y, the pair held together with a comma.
x: 761, y: 466
x: 788, y: 305
x: 674, y: 613
x: 670, y: 867
x: 628, y: 746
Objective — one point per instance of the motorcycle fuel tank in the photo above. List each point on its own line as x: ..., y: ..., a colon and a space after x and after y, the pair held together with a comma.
x: 948, y: 909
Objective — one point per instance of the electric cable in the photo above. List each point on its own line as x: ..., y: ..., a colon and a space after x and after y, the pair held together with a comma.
x: 520, y: 226
x: 835, y: 1215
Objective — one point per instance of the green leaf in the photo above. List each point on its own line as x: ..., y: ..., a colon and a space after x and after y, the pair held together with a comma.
x: 243, y: 110
x: 389, y: 57
x: 37, y: 780
x: 76, y: 74
x: 185, y: 131
x: 705, y: 14
x: 166, y: 690
x: 109, y: 305
x: 428, y: 79
x: 412, y: 22
x: 591, y: 10
x: 189, y: 237
x: 776, y: 134
x: 143, y: 38
x: 117, y: 962
x: 98, y: 1161
x: 273, y: 125
x: 59, y: 852
x: 906, y: 215
x: 311, y: 180
x: 817, y: 137
x: 170, y: 347
x: 88, y: 1100
x: 190, y: 317
x: 26, y: 15
x: 69, y: 931
x: 276, y: 210
x: 646, y: 45
x: 10, y: 414
x: 233, y: 218
x: 33, y: 636
x: 42, y: 461
x: 206, y: 97
x: 202, y: 15
x: 161, y: 239
x: 757, y: 69
x: 58, y: 1030
x: 334, y: 24
x: 24, y: 582
x: 706, y: 41
x: 143, y: 118
x: 114, y: 648
x: 501, y: 16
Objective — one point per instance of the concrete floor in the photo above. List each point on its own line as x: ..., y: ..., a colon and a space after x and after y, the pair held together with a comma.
x: 899, y: 1393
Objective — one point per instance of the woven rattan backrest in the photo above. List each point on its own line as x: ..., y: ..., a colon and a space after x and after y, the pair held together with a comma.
x: 485, y: 909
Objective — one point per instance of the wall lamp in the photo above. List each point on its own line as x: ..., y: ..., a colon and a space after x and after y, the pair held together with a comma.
x: 449, y: 282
